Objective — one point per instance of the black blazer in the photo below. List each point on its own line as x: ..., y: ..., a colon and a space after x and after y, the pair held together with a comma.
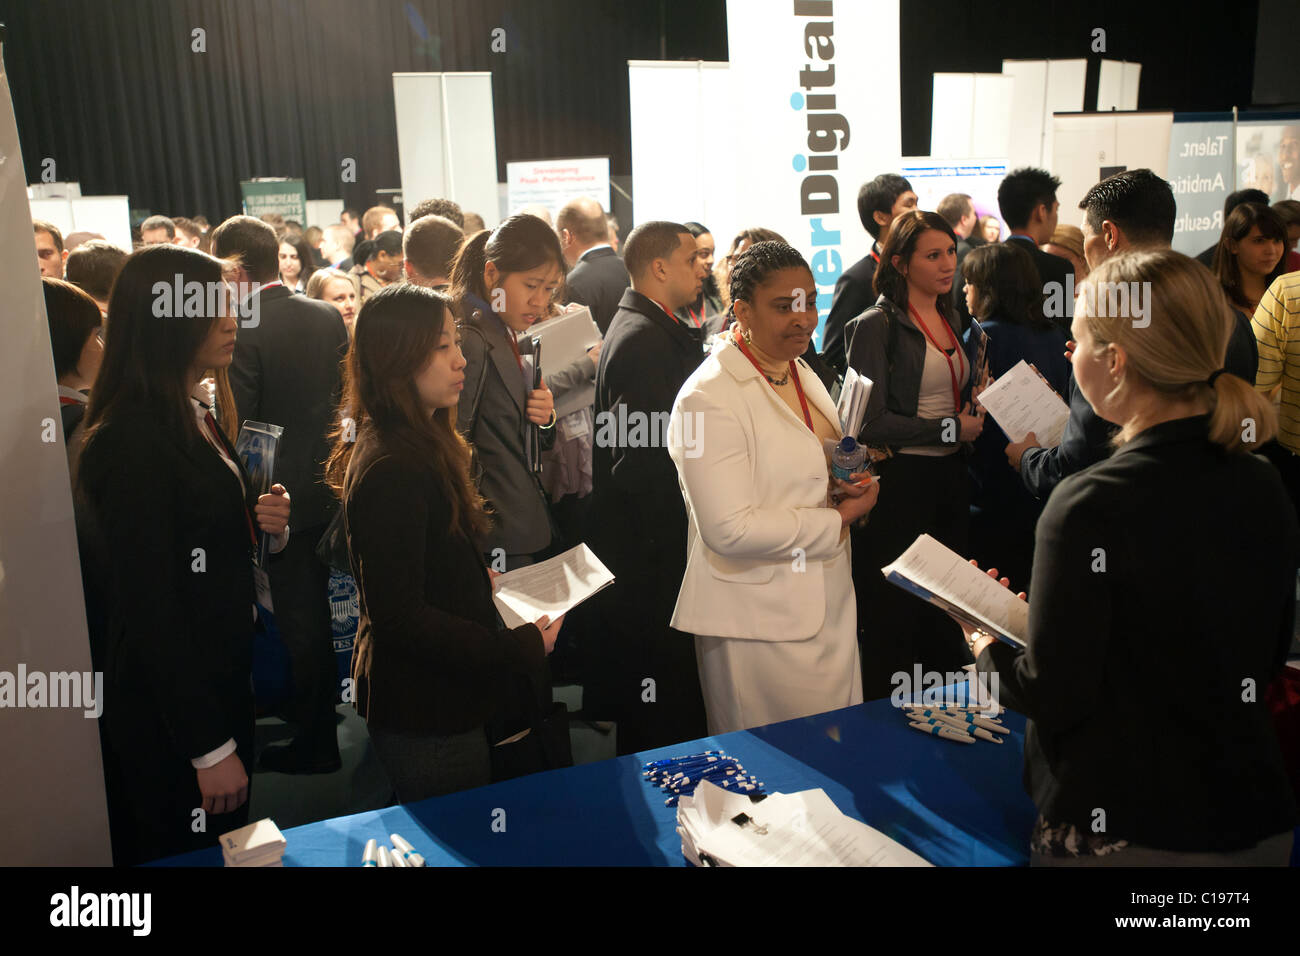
x: 1134, y: 675
x: 286, y: 372
x: 598, y: 282
x: 1050, y: 269
x: 854, y: 294
x: 171, y: 625
x: 431, y: 655
x: 640, y: 517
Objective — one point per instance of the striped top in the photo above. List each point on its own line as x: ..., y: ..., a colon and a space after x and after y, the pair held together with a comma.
x: 1277, y: 331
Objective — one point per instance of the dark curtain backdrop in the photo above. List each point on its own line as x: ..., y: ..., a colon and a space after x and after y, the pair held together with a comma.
x: 114, y: 94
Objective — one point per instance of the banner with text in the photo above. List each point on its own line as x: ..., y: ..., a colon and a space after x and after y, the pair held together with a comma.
x: 286, y: 197
x: 551, y: 183
x: 815, y: 93
x: 1268, y: 154
x: 1200, y: 172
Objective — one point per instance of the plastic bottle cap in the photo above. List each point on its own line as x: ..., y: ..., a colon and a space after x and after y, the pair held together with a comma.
x: 847, y: 444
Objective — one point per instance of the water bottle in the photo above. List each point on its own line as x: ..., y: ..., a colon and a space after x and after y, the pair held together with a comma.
x: 847, y: 459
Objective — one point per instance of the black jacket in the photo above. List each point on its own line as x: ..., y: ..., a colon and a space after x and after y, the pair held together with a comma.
x: 598, y: 281
x: 886, y: 346
x: 165, y: 540
x: 854, y: 294
x: 1137, y: 671
x: 431, y: 655
x: 286, y: 372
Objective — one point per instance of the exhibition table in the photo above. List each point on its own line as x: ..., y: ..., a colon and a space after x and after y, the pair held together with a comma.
x: 955, y: 804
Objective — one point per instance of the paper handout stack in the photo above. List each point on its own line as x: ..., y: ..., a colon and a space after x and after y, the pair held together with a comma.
x: 258, y: 844
x: 722, y: 828
x: 552, y: 587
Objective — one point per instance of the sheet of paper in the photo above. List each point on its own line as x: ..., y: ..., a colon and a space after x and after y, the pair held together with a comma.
x: 852, y: 404
x: 1021, y: 402
x: 551, y: 587
x: 565, y: 339
x: 949, y: 576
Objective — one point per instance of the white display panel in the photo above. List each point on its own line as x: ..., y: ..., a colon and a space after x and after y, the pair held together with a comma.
x: 815, y: 95
x: 1117, y: 85
x: 434, y: 162
x: 323, y: 212
x: 1085, y: 144
x: 1041, y: 88
x: 971, y: 114
x: 52, y: 806
x: 694, y: 180
x: 110, y: 216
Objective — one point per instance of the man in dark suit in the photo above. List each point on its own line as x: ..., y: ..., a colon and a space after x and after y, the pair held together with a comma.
x: 598, y: 277
x: 646, y: 678
x: 958, y: 210
x: 1234, y: 200
x: 1131, y: 210
x: 880, y: 202
x: 286, y: 372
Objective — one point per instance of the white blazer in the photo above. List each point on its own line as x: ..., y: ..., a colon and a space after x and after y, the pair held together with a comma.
x: 755, y: 481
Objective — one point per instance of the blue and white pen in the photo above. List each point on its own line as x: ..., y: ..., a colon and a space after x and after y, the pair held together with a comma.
x: 370, y: 858
x: 942, y: 729
x: 406, y: 850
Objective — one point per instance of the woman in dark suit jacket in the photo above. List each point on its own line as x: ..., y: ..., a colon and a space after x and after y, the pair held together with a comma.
x: 167, y: 520
x: 433, y: 666
x: 1004, y: 293
x: 909, y: 345
x: 503, y: 282
x: 1164, y: 599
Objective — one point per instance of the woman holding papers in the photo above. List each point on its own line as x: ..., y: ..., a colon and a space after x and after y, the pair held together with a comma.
x: 168, y: 524
x: 768, y: 588
x: 432, y: 666
x: 909, y: 345
x: 503, y: 281
x: 1003, y: 292
x: 1164, y: 599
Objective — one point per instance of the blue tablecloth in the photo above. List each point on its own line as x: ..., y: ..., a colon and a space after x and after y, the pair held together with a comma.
x: 954, y: 804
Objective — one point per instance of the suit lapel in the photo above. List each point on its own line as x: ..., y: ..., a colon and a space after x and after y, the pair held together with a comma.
x: 503, y: 358
x: 740, y: 368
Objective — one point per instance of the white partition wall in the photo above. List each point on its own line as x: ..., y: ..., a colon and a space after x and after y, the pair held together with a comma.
x: 1084, y: 145
x: 1117, y: 85
x: 435, y: 163
x: 110, y: 216
x: 52, y: 807
x: 683, y: 158
x: 970, y: 115
x: 1041, y: 88
x: 815, y: 89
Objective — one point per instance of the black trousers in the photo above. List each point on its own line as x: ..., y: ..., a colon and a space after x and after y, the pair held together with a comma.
x: 299, y: 582
x: 918, y: 494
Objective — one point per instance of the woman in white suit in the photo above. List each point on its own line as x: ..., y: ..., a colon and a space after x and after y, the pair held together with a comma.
x: 768, y: 590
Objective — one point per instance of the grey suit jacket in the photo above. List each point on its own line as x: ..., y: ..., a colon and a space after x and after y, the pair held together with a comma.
x: 491, y: 416
x: 598, y: 282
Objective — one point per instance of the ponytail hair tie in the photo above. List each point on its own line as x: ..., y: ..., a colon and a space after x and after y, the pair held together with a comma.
x: 1213, y: 375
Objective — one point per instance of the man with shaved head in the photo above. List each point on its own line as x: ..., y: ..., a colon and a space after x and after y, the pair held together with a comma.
x: 597, y: 277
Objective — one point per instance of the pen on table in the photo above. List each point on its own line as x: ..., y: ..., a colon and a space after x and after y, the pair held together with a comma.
x: 370, y: 856
x: 669, y: 761
x: 992, y: 713
x: 396, y: 858
x: 408, y: 852
x: 942, y: 730
x: 961, y: 718
x: 383, y: 857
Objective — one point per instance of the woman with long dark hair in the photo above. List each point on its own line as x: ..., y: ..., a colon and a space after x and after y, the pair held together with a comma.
x: 909, y: 345
x: 503, y: 282
x: 433, y: 667
x: 1250, y: 255
x: 168, y: 525
x: 706, y: 312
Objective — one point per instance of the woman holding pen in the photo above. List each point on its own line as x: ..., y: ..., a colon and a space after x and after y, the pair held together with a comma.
x: 909, y: 345
x: 1182, y: 546
x: 503, y: 281
x: 434, y: 669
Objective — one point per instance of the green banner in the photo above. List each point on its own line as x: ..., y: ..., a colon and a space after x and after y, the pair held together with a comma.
x: 288, y: 197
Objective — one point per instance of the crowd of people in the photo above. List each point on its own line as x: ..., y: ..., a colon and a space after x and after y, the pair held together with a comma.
x: 1157, y: 542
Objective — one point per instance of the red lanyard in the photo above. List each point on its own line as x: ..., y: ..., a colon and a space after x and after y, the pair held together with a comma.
x: 798, y: 386
x: 691, y: 313
x: 875, y: 256
x: 220, y: 448
x: 666, y: 311
x: 956, y: 390
x: 514, y: 347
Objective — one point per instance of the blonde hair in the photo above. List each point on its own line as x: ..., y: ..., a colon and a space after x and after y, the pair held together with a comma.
x: 1177, y: 342
x: 316, y: 284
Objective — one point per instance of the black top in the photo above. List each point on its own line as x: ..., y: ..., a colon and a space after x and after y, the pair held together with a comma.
x: 167, y: 557
x: 1164, y: 600
x: 854, y: 294
x: 598, y: 281
x: 286, y: 372
x: 431, y: 655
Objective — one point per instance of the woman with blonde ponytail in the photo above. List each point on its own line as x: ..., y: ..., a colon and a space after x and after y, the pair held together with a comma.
x: 1164, y: 597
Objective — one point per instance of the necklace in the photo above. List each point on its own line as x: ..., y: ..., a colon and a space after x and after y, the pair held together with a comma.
x: 783, y: 380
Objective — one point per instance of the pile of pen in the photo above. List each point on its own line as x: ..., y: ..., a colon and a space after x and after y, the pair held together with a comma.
x: 402, y: 854
x: 962, y: 724
x: 679, y: 776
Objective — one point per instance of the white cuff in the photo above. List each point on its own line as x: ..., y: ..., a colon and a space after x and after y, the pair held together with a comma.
x: 280, y: 541
x: 215, y: 757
